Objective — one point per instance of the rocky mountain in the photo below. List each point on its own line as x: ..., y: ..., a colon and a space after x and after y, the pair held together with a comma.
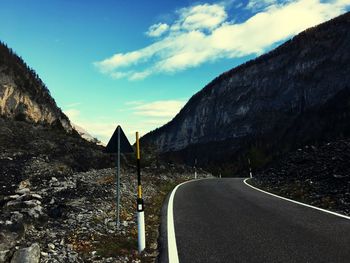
x: 296, y: 94
x: 85, y: 134
x: 319, y: 176
x: 23, y: 95
x: 33, y: 130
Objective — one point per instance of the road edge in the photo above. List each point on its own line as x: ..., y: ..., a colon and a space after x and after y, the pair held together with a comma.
x: 167, y: 239
x: 162, y: 238
x: 171, y: 238
x: 296, y: 202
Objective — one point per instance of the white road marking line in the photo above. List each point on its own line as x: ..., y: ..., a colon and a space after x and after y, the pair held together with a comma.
x: 296, y: 202
x: 172, y: 247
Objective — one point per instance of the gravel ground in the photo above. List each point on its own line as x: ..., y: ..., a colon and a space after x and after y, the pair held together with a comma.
x: 72, y: 217
x: 317, y: 175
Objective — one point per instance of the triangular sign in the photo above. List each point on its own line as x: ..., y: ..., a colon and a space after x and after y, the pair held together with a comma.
x: 112, y: 146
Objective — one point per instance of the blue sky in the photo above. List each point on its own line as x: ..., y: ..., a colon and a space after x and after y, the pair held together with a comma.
x: 136, y: 63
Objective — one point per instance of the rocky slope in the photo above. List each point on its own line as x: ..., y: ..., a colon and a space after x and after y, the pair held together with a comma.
x: 23, y: 95
x: 266, y: 106
x: 22, y: 142
x: 71, y: 217
x: 317, y: 175
x: 85, y: 135
x: 57, y: 198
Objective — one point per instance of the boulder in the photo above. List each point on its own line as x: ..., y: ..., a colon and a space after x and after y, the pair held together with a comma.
x: 7, y: 243
x: 27, y: 255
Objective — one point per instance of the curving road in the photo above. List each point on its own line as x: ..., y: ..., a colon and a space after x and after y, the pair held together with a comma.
x: 224, y: 220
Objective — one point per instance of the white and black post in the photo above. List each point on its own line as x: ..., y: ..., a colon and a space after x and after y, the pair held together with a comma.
x: 250, y: 169
x: 195, y: 168
x: 140, y: 206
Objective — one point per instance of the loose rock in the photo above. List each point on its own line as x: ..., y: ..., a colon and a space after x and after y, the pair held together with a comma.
x: 27, y: 255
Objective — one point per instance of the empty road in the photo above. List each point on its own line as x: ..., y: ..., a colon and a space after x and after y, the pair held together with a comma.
x: 224, y: 220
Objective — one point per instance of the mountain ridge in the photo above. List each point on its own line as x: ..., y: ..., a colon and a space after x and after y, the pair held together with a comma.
x: 24, y: 96
x: 247, y: 102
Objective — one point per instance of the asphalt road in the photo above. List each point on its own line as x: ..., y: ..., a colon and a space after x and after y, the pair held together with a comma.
x: 223, y: 220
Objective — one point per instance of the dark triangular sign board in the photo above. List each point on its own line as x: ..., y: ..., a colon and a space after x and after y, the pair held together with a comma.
x: 112, y: 146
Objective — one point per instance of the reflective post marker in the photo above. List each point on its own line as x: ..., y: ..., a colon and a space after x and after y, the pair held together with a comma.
x: 195, y: 168
x: 250, y: 169
x: 140, y: 208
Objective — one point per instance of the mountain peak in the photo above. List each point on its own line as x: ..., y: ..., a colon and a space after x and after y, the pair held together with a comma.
x: 24, y: 96
x: 239, y: 112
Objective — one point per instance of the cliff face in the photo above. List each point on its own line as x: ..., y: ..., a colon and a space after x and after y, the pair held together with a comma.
x: 262, y: 101
x: 23, y: 96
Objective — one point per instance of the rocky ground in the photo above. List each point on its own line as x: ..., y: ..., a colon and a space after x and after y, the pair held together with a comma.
x: 317, y: 175
x: 57, y: 198
x: 71, y: 218
x: 23, y: 144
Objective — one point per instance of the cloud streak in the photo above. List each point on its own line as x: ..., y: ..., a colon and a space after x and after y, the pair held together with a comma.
x: 72, y: 113
x: 256, y: 5
x: 164, y: 108
x: 137, y: 116
x: 157, y: 30
x: 204, y: 33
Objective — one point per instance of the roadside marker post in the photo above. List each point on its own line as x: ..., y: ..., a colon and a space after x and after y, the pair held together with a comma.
x: 250, y: 169
x: 195, y: 168
x: 140, y: 205
x: 118, y: 144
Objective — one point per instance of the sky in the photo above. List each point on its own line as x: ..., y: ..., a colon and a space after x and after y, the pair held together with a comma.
x: 136, y: 63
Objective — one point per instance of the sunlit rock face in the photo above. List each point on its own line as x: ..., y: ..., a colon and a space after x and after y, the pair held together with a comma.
x: 264, y: 96
x: 23, y: 96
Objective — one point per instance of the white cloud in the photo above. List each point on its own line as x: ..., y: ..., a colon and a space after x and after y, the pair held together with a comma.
x: 101, y: 129
x: 120, y: 60
x: 72, y: 113
x: 140, y: 75
x: 72, y: 105
x: 134, y: 102
x: 275, y: 24
x: 157, y: 30
x: 119, y: 75
x: 163, y: 108
x: 204, y: 33
x: 200, y: 17
x: 260, y: 4
x: 137, y: 115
